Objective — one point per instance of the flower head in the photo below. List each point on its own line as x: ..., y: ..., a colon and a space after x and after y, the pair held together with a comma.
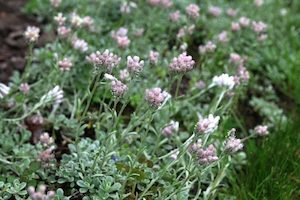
x: 232, y: 144
x: 105, y: 59
x: 56, y: 94
x: 170, y: 128
x: 32, y: 33
x: 224, y: 80
x: 214, y: 11
x: 208, y: 125
x: 153, y: 57
x: 134, y: 64
x: 207, y: 155
x: 259, y: 27
x: 25, y: 88
x: 63, y: 31
x: 65, y: 64
x: 261, y: 130
x: 244, y: 21
x: 156, y: 96
x: 192, y: 10
x: 80, y: 44
x: 174, y: 16
x: 40, y: 193
x: 60, y: 19
x: 4, y: 90
x: 182, y: 63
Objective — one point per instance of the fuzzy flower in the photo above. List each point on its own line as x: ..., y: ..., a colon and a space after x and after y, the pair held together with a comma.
x: 156, y: 96
x: 127, y: 7
x: 209, y: 47
x: 25, y: 88
x: 232, y: 144
x: 192, y: 10
x: 65, y: 64
x: 55, y: 3
x: 134, y: 64
x: 32, y: 33
x: 258, y: 3
x: 60, y: 19
x: 174, y: 16
x: 208, y: 125
x: 124, y: 74
x: 153, y: 57
x: 63, y: 31
x: 117, y: 87
x: 262, y: 37
x: 182, y: 63
x: 80, y: 44
x: 56, y: 94
x: 105, y: 59
x: 174, y: 154
x: 186, y: 30
x: 76, y: 20
x: 170, y: 128
x: 223, y: 37
x: 87, y: 21
x: 235, y: 58
x: 214, y: 11
x: 207, y: 155
x: 235, y: 26
x: 4, y: 90
x: 200, y: 84
x: 121, y: 32
x: 231, y: 12
x: 123, y: 42
x: 166, y: 3
x: 47, y: 155
x: 193, y: 148
x: 259, y: 27
x: 243, y: 74
x: 261, y: 130
x: 224, y: 80
x: 244, y: 22
x: 154, y: 2
x: 45, y: 139
x: 40, y: 193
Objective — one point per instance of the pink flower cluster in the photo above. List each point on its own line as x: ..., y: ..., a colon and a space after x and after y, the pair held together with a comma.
x: 134, y: 64
x: 205, y: 156
x: 32, y: 33
x: 63, y: 31
x: 40, y: 193
x: 182, y: 63
x: 156, y: 96
x: 232, y: 144
x: 174, y: 16
x: 65, y: 64
x: 105, y: 59
x: 170, y: 129
x: 153, y: 57
x: 120, y: 36
x: 25, y: 88
x: 117, y: 87
x: 207, y: 48
x: 208, y: 125
x: 186, y: 30
x: 214, y: 11
x: 79, y: 44
x: 163, y: 3
x: 192, y: 10
x: 259, y: 27
x: 261, y: 130
x: 45, y: 139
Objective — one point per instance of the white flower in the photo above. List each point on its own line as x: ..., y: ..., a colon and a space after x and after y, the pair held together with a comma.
x: 32, y: 33
x: 56, y: 95
x: 4, y: 90
x: 208, y: 125
x: 224, y: 80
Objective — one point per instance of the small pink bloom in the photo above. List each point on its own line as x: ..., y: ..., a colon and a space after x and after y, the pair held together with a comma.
x: 124, y: 74
x: 134, y: 64
x: 32, y: 33
x: 223, y: 37
x: 244, y: 22
x: 170, y: 129
x: 235, y: 26
x: 261, y: 130
x: 259, y: 27
x: 65, y: 64
x: 153, y: 57
x: 214, y: 11
x: 25, y: 88
x: 174, y: 16
x: 60, y: 19
x: 192, y: 10
x: 207, y: 155
x: 63, y: 31
x: 123, y: 42
x: 55, y: 3
x: 182, y: 63
x: 156, y: 96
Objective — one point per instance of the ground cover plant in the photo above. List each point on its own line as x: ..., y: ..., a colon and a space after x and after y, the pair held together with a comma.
x: 149, y: 99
